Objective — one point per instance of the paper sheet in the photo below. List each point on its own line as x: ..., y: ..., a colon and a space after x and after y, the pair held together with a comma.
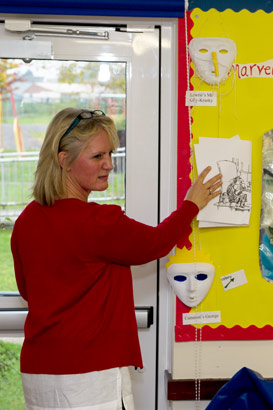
x: 232, y: 158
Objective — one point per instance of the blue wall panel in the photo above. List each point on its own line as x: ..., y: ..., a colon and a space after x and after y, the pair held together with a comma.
x: 138, y: 8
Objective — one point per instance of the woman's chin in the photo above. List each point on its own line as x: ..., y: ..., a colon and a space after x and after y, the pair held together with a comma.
x: 100, y: 187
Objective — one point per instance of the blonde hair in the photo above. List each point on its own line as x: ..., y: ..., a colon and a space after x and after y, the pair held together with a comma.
x: 49, y: 183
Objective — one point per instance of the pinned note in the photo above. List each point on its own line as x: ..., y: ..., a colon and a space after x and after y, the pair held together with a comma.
x: 234, y: 280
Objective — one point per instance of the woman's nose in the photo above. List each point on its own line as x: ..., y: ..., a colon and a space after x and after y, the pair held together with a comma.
x: 108, y: 163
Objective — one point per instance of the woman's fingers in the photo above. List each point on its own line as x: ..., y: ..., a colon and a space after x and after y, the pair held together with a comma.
x: 214, y: 194
x: 203, y: 174
x: 213, y: 187
x: 211, y: 182
x: 201, y: 193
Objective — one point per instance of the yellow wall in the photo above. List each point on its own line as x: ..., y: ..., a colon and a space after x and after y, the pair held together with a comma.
x: 245, y: 107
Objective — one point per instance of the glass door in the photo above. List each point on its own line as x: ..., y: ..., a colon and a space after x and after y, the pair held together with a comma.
x: 30, y: 95
x: 120, y: 75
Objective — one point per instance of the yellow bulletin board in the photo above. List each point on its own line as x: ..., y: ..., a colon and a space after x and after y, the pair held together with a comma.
x: 244, y: 108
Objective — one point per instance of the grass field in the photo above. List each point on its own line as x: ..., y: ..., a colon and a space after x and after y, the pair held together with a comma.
x: 18, y: 177
x: 11, y: 392
x: 7, y: 278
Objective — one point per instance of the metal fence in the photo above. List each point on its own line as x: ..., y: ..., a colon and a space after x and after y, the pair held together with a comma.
x: 17, y: 176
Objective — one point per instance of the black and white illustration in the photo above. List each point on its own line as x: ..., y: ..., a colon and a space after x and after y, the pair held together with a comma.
x: 236, y: 188
x: 232, y: 158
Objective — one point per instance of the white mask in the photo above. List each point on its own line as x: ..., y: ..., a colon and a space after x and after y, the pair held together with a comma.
x: 212, y: 57
x: 191, y: 281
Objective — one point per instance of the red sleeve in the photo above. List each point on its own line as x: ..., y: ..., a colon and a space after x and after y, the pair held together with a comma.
x: 129, y: 242
x: 19, y: 275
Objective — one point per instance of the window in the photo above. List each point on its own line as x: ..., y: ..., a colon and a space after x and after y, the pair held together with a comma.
x: 31, y: 94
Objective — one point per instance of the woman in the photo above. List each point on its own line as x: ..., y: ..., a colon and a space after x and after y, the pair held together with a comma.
x: 72, y: 264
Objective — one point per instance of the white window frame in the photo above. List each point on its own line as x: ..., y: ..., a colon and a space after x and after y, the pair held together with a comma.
x: 168, y: 116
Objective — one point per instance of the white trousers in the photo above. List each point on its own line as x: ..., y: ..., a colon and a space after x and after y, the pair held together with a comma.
x: 103, y: 390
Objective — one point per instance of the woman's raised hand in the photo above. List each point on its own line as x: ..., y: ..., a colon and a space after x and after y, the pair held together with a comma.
x: 201, y: 193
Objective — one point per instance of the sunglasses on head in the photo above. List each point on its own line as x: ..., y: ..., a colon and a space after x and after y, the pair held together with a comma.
x: 84, y: 115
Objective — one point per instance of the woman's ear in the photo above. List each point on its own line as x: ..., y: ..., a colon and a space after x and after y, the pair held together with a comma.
x: 62, y: 158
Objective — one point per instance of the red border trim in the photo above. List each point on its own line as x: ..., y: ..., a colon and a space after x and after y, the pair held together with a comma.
x: 188, y: 333
x: 183, y: 146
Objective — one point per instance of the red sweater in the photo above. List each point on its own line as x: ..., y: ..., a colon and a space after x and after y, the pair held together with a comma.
x: 72, y: 264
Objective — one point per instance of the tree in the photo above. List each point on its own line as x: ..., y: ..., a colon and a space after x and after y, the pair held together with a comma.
x: 88, y: 74
x: 7, y: 76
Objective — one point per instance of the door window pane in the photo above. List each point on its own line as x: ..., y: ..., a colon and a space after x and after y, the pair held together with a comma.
x: 30, y: 95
